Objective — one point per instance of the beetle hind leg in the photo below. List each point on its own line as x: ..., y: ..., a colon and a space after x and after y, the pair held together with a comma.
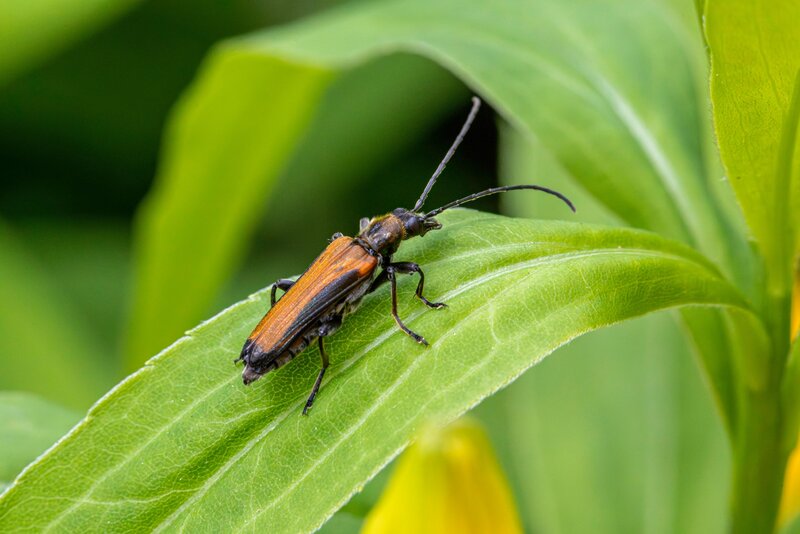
x: 318, y: 382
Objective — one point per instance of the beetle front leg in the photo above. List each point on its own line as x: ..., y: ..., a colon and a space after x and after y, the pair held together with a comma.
x: 284, y: 284
x: 407, y: 267
x: 393, y: 279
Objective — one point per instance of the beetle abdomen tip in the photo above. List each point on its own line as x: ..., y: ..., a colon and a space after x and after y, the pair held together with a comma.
x: 257, y: 363
x: 250, y: 375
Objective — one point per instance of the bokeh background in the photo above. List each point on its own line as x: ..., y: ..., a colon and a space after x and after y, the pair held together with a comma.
x: 614, y: 433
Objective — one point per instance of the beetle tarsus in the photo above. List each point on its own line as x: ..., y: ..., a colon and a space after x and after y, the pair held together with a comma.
x: 434, y: 305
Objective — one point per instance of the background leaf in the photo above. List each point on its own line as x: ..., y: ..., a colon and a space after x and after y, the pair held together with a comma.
x: 31, y: 30
x: 186, y: 419
x: 46, y: 346
x: 28, y: 426
x: 755, y: 57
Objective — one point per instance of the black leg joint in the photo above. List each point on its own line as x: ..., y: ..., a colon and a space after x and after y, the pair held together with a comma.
x: 284, y: 284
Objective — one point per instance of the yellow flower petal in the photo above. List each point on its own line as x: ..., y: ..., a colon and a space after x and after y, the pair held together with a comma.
x: 448, y: 481
x: 796, y: 307
x: 790, y: 500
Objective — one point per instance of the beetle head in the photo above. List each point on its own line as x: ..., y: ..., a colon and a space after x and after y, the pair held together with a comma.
x: 416, y: 223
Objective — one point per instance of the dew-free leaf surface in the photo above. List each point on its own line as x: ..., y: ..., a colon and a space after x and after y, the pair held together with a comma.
x: 183, y: 445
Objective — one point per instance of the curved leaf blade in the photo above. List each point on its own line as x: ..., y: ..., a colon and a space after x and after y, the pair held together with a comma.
x: 182, y: 444
x: 755, y: 90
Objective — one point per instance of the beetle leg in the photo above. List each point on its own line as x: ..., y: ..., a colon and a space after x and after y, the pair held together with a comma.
x: 318, y: 382
x: 283, y: 284
x: 363, y: 223
x: 392, y: 278
x: 335, y: 236
x: 407, y: 267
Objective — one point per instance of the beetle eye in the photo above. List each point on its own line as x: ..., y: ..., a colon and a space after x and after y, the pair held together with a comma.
x: 413, y: 226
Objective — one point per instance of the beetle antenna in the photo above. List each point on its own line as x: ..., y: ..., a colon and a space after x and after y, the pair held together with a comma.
x: 476, y: 104
x: 495, y: 190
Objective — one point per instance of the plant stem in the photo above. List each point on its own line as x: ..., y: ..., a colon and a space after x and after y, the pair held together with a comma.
x: 759, y: 464
x: 760, y: 453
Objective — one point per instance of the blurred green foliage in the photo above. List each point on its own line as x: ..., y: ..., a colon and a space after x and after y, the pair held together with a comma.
x: 30, y: 425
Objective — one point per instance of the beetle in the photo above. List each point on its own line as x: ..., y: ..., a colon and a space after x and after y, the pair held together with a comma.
x: 314, y: 306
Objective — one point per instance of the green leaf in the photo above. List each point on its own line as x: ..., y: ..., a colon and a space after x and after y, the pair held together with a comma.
x: 635, y: 141
x: 33, y: 30
x: 755, y: 57
x: 182, y: 444
x: 28, y: 426
x: 46, y: 347
x: 342, y: 523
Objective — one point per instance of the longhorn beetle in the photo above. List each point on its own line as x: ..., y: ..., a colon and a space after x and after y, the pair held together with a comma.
x: 313, y: 306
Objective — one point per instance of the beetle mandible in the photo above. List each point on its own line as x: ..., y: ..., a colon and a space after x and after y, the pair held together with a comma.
x: 332, y: 287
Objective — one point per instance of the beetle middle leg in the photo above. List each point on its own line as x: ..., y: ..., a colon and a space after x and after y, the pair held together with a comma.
x: 390, y: 274
x: 406, y: 267
x: 284, y: 284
